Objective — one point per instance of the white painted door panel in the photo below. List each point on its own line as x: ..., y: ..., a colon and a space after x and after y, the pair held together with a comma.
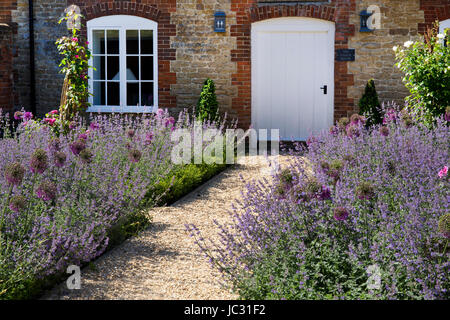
x: 292, y: 58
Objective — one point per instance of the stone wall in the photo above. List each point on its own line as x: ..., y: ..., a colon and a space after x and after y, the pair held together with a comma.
x: 203, y: 53
x: 374, y: 55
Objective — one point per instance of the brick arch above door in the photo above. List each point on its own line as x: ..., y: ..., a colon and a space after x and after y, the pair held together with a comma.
x: 156, y: 10
x: 247, y: 12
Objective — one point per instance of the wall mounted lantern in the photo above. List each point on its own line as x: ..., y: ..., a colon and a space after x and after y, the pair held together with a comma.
x: 365, y: 15
x: 219, y: 21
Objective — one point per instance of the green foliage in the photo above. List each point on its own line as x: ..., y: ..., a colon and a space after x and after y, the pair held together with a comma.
x: 181, y: 181
x: 75, y: 65
x: 369, y: 105
x: 207, y: 106
x: 426, y: 65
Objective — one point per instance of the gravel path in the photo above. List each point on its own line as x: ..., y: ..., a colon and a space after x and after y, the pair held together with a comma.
x: 163, y: 262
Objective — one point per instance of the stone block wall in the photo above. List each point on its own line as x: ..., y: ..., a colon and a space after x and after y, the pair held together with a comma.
x: 374, y: 55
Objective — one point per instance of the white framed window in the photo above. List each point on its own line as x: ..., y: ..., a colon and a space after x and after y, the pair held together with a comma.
x: 444, y: 25
x: 125, y: 55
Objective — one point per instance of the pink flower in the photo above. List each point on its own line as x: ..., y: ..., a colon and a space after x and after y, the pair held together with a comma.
x: 54, y: 112
x: 75, y: 39
x: 49, y: 121
x: 443, y: 173
x: 87, y: 42
x: 77, y: 56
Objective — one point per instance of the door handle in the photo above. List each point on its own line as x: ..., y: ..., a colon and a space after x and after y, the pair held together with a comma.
x: 325, y: 89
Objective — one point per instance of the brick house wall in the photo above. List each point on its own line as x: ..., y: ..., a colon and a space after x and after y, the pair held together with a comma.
x: 190, y: 51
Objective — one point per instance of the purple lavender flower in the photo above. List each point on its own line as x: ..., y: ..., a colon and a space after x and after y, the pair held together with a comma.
x: 59, y: 159
x: 46, y: 191
x: 17, y: 204
x: 14, y: 173
x: 72, y: 125
x: 134, y: 155
x: 340, y: 214
x: 149, y: 138
x: 39, y: 161
x: 77, y: 146
x: 83, y: 136
x: 169, y: 121
x: 384, y: 131
x: 444, y: 225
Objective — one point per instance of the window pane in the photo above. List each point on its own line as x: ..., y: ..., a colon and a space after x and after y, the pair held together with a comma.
x: 132, y: 94
x: 99, y: 93
x: 147, y: 68
x: 132, y: 68
x: 132, y: 42
x: 113, y: 93
x: 113, y: 68
x: 113, y: 42
x: 147, y: 94
x: 98, y: 41
x: 147, y: 41
x: 99, y: 65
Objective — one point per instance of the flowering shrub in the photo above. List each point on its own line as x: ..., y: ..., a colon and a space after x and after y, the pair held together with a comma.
x: 375, y: 200
x: 61, y: 197
x: 426, y: 65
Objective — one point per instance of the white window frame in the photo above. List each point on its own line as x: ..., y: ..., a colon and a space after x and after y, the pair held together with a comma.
x: 124, y: 23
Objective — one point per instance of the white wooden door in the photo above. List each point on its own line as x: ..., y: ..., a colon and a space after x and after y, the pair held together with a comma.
x: 292, y: 60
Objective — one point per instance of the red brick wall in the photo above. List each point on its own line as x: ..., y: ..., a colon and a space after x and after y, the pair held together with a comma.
x: 6, y: 54
x: 248, y: 12
x: 434, y: 10
x: 156, y: 10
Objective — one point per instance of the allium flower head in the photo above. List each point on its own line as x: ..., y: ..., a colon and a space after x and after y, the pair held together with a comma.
x: 334, y: 130
x: 340, y: 214
x: 60, y: 159
x: 130, y: 133
x: 444, y: 225
x: 134, y: 155
x: 352, y: 131
x: 77, y: 146
x: 365, y: 190
x: 325, y: 193
x: 312, y: 187
x: 17, y: 203
x: 27, y: 116
x: 86, y: 156
x: 14, y: 173
x: 39, y: 161
x: 83, y: 136
x: 169, y: 121
x: 46, y: 191
x: 356, y: 119
x: 325, y: 166
x: 18, y: 115
x: 343, y: 122
x: 54, y: 145
x: 94, y: 126
x: 384, y: 131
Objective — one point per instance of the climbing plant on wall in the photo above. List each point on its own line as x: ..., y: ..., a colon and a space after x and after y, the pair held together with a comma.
x: 74, y: 65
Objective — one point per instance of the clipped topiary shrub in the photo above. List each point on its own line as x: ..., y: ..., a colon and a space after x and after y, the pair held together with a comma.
x: 369, y: 105
x: 207, y: 106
